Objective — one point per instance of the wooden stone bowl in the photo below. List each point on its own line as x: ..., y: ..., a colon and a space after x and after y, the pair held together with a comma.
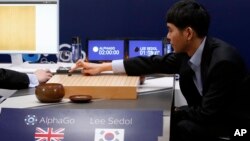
x: 50, y: 92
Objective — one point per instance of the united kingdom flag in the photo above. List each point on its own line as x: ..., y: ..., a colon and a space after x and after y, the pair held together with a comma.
x: 49, y: 135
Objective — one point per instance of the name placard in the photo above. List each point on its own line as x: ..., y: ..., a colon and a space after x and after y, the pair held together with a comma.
x: 80, y: 125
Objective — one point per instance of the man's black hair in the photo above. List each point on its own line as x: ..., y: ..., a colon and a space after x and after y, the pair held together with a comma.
x: 189, y: 13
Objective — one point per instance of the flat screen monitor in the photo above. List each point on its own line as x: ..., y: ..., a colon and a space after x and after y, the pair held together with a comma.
x: 145, y: 47
x: 105, y: 50
x: 29, y: 27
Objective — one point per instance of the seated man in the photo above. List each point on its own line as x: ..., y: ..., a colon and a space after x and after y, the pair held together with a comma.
x: 210, y: 70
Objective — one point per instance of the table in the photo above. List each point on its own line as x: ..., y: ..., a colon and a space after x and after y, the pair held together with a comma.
x: 153, y: 100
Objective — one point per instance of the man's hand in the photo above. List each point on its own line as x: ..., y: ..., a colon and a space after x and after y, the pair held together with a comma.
x: 91, y: 68
x: 43, y: 75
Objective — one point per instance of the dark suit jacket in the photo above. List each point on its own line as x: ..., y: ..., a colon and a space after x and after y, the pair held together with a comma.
x: 222, y: 71
x: 13, y: 80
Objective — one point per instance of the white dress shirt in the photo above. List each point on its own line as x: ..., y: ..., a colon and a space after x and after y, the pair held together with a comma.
x: 195, y: 64
x: 118, y: 66
x: 33, y: 80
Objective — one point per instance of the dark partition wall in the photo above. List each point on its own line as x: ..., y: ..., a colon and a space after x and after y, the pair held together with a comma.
x: 112, y: 18
x: 145, y: 18
x: 230, y: 22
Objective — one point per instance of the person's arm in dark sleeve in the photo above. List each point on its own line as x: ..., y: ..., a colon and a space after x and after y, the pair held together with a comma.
x: 154, y: 64
x: 13, y: 80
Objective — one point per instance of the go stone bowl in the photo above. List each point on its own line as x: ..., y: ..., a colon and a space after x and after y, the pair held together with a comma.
x: 50, y: 92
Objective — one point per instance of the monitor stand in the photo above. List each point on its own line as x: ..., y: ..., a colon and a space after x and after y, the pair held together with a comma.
x: 16, y: 59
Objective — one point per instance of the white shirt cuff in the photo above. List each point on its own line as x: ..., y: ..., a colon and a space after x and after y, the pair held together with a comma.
x: 118, y: 66
x: 33, y: 80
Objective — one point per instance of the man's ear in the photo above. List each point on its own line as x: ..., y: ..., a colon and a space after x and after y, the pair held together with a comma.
x: 189, y: 33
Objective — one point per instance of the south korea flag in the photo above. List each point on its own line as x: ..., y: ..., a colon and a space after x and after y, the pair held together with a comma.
x: 109, y: 134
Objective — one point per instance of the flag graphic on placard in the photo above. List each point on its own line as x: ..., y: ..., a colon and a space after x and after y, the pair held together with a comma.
x: 49, y: 134
x: 109, y: 134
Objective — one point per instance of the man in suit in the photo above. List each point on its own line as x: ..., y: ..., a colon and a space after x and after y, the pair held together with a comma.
x: 210, y: 70
x: 16, y: 80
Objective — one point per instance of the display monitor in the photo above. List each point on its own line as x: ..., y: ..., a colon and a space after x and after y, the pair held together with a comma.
x: 29, y: 27
x: 105, y: 50
x: 145, y: 47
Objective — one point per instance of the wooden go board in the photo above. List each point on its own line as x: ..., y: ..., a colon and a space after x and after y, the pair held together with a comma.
x: 108, y: 86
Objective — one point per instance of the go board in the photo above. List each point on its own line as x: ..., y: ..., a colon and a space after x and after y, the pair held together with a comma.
x: 107, y: 86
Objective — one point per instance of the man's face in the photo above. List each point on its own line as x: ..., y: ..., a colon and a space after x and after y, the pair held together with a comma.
x: 176, y: 38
